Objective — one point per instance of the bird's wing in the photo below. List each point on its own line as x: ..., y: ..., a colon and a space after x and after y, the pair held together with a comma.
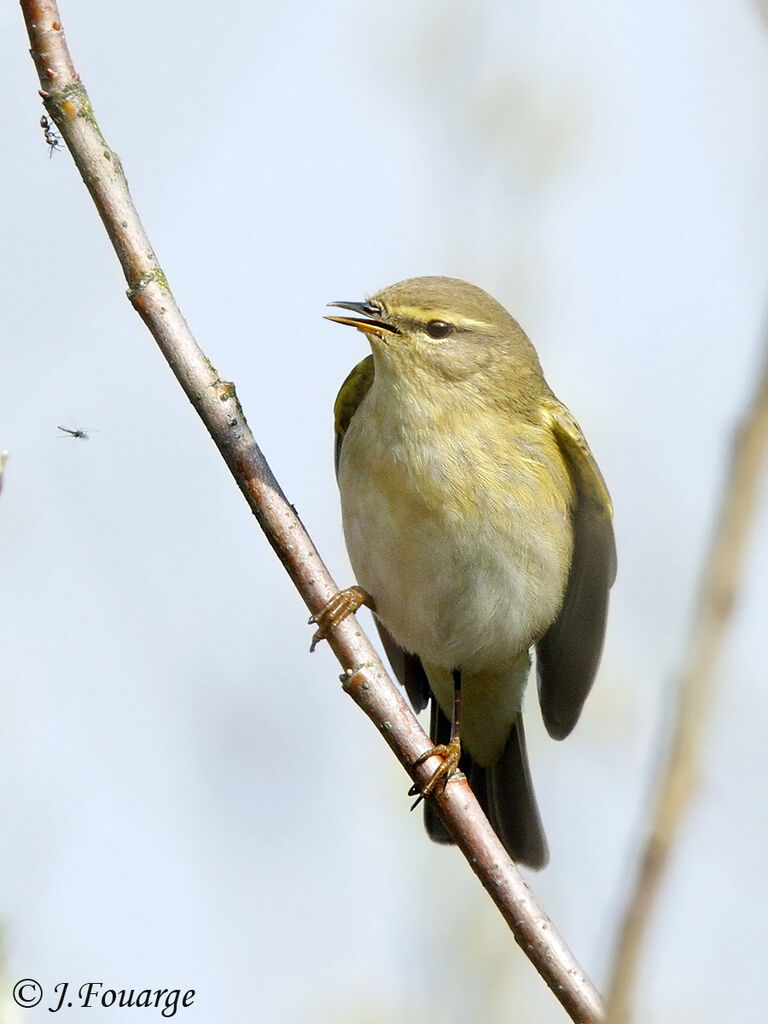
x: 568, y: 654
x: 352, y: 392
x: 408, y: 669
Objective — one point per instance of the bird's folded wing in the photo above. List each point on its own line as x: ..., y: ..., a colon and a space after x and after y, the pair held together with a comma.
x: 569, y: 652
x: 351, y: 393
x: 408, y: 670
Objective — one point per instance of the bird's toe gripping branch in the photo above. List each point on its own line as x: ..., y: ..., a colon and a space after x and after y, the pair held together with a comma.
x: 448, y: 767
x: 345, y: 603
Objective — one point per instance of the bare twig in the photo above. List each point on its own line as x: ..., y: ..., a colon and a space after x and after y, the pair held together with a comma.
x: 3, y: 457
x: 696, y: 681
x: 214, y: 399
x: 762, y: 10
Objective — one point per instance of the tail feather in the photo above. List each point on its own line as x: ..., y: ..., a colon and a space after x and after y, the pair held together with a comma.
x: 504, y: 791
x: 512, y: 807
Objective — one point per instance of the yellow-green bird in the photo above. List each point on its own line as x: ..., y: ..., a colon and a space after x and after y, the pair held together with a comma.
x: 479, y: 527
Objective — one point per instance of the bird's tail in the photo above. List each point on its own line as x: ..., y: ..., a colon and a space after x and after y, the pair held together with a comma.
x: 505, y: 792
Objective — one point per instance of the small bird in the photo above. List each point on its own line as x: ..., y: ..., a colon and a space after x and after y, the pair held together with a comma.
x: 479, y: 527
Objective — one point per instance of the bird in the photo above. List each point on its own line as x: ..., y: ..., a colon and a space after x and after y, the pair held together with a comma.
x: 479, y: 530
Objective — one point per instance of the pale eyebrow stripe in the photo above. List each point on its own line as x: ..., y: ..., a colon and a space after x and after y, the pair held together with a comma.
x: 421, y: 315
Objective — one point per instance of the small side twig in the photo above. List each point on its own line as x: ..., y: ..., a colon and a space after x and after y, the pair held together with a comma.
x: 67, y: 102
x: 3, y: 458
x: 696, y: 684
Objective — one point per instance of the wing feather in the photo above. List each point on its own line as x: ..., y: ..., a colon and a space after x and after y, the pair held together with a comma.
x: 351, y: 393
x: 569, y: 652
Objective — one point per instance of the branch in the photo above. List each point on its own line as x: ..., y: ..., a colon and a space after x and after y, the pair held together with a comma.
x: 717, y: 598
x: 364, y: 678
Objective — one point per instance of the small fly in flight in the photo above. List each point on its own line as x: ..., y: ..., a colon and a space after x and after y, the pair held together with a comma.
x: 77, y: 432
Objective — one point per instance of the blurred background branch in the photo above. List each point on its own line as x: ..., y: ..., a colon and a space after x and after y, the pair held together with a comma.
x: 695, y: 691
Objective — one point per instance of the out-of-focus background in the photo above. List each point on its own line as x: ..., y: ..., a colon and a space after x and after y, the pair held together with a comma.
x: 186, y: 796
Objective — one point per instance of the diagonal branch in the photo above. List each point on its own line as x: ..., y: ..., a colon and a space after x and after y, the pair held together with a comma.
x: 696, y: 684
x: 364, y: 678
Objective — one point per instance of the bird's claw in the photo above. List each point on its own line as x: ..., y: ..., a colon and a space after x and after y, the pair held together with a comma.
x: 448, y: 767
x: 342, y: 604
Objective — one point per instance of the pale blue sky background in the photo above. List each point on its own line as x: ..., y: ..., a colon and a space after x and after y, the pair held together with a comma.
x: 187, y: 798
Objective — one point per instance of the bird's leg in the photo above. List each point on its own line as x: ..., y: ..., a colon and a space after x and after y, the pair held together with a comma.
x: 450, y: 752
x: 345, y: 603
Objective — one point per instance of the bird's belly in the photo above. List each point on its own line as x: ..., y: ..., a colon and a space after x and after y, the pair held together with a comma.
x: 459, y: 591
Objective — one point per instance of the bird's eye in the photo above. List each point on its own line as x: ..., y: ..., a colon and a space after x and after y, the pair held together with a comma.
x: 438, y: 329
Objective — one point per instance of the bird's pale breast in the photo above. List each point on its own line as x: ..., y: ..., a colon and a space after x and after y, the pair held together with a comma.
x: 459, y: 530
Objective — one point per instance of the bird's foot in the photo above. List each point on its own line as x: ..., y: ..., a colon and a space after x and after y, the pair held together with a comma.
x: 448, y: 767
x: 345, y: 603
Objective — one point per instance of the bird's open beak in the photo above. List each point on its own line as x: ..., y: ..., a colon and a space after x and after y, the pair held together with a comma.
x: 372, y: 324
